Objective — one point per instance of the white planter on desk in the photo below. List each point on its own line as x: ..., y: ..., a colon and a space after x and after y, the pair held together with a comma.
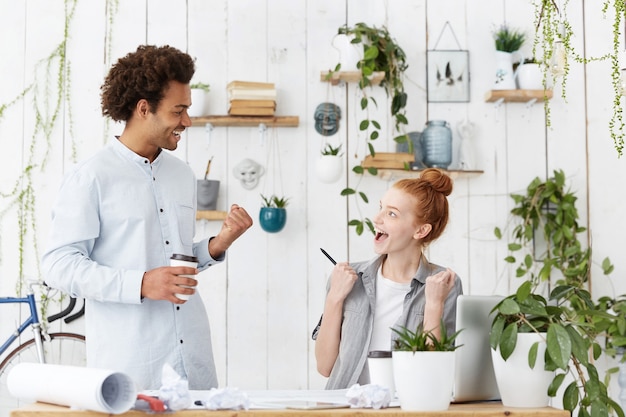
x: 518, y: 383
x: 424, y: 380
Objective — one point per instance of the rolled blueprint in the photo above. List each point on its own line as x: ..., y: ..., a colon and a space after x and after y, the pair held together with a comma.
x: 73, y: 386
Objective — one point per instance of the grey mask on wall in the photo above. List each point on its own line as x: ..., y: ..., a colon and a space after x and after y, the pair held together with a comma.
x: 327, y: 117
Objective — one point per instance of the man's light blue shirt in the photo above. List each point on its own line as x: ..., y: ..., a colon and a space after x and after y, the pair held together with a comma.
x: 117, y: 216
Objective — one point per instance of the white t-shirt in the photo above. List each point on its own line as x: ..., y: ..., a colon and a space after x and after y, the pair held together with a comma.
x: 389, y: 303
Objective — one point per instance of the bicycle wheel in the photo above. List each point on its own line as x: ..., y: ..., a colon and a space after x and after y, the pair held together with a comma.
x: 62, y: 348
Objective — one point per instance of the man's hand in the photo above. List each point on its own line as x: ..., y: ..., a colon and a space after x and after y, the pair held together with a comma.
x: 236, y: 223
x: 164, y: 283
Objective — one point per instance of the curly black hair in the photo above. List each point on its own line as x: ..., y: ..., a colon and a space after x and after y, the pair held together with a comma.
x: 143, y: 74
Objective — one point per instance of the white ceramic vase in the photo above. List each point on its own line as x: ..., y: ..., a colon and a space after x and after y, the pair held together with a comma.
x: 424, y: 380
x: 329, y: 168
x: 349, y: 53
x: 199, y: 103
x: 529, y: 77
x: 518, y: 383
x: 504, y: 74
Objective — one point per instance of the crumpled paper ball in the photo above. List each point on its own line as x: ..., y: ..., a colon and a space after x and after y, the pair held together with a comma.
x: 368, y: 396
x: 227, y: 399
x: 174, y: 391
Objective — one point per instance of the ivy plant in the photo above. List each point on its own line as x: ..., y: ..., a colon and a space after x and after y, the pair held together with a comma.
x: 573, y: 323
x: 553, y: 36
x: 381, y: 53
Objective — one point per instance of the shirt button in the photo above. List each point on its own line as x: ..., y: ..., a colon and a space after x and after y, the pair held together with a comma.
x: 145, y: 161
x: 177, y: 307
x: 153, y: 179
x: 181, y: 341
x: 161, y: 210
x: 167, y: 242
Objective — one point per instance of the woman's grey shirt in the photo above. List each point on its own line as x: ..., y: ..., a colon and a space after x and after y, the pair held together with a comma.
x: 358, y: 317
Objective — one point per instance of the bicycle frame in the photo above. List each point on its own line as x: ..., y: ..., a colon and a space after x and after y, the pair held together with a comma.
x: 32, y: 321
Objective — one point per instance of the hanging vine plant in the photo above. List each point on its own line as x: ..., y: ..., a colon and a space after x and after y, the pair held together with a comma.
x: 553, y: 35
x: 381, y: 53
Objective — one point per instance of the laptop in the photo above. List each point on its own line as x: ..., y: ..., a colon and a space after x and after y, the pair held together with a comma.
x: 474, y: 377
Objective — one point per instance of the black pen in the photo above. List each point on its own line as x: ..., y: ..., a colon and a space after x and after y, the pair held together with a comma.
x: 328, y: 256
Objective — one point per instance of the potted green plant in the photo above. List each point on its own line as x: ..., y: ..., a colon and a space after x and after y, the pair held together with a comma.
x: 423, y: 368
x: 329, y: 165
x: 508, y: 41
x: 273, y: 214
x: 529, y: 74
x: 381, y: 53
x: 199, y: 99
x: 568, y: 316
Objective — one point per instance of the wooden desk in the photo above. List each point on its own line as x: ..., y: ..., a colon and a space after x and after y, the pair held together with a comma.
x: 464, y: 410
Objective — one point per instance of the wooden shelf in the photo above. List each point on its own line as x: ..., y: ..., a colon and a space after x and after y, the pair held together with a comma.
x: 517, y: 96
x: 398, y: 174
x: 350, y: 77
x: 246, y: 121
x: 211, y: 215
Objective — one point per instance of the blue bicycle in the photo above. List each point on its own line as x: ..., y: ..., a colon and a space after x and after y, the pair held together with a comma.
x: 57, y: 347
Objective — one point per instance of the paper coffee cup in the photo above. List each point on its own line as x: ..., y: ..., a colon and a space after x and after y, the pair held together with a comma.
x: 178, y: 259
x: 381, y: 369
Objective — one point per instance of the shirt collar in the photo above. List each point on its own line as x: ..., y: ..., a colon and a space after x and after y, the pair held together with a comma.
x: 131, y: 155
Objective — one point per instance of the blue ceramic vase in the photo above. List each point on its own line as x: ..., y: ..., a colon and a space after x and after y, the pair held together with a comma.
x: 272, y: 219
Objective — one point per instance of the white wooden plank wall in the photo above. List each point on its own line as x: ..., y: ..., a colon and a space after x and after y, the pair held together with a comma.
x: 265, y: 299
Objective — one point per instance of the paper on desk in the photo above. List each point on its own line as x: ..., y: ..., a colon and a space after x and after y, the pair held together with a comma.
x: 78, y: 387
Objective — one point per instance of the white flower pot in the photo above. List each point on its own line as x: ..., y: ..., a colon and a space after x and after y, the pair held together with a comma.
x: 504, y: 75
x: 349, y: 53
x: 424, y: 380
x: 329, y: 168
x: 529, y: 77
x: 518, y: 383
x: 199, y: 103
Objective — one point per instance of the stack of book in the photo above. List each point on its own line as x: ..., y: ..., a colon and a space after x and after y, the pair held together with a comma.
x: 249, y: 98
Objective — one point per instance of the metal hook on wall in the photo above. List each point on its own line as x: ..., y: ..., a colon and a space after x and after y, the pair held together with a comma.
x: 208, y: 128
x: 262, y: 130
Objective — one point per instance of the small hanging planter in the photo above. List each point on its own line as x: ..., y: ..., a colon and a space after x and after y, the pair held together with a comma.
x: 329, y: 166
x: 273, y: 214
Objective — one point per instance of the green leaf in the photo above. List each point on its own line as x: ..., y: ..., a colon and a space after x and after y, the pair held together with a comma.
x: 496, y: 331
x: 570, y: 397
x: 508, y: 341
x: 363, y: 196
x: 559, y: 345
x: 370, y: 53
x: 532, y: 355
x: 364, y: 124
x: 555, y: 384
x: 523, y: 291
x: 508, y: 306
x: 376, y: 124
x: 358, y: 169
x: 372, y: 170
x: 363, y: 103
x: 347, y: 191
x: 497, y: 232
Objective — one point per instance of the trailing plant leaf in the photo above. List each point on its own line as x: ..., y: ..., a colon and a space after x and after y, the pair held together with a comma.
x: 380, y: 53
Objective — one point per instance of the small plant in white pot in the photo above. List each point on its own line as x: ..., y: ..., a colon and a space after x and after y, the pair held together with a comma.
x: 329, y: 165
x: 199, y: 99
x: 423, y: 368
